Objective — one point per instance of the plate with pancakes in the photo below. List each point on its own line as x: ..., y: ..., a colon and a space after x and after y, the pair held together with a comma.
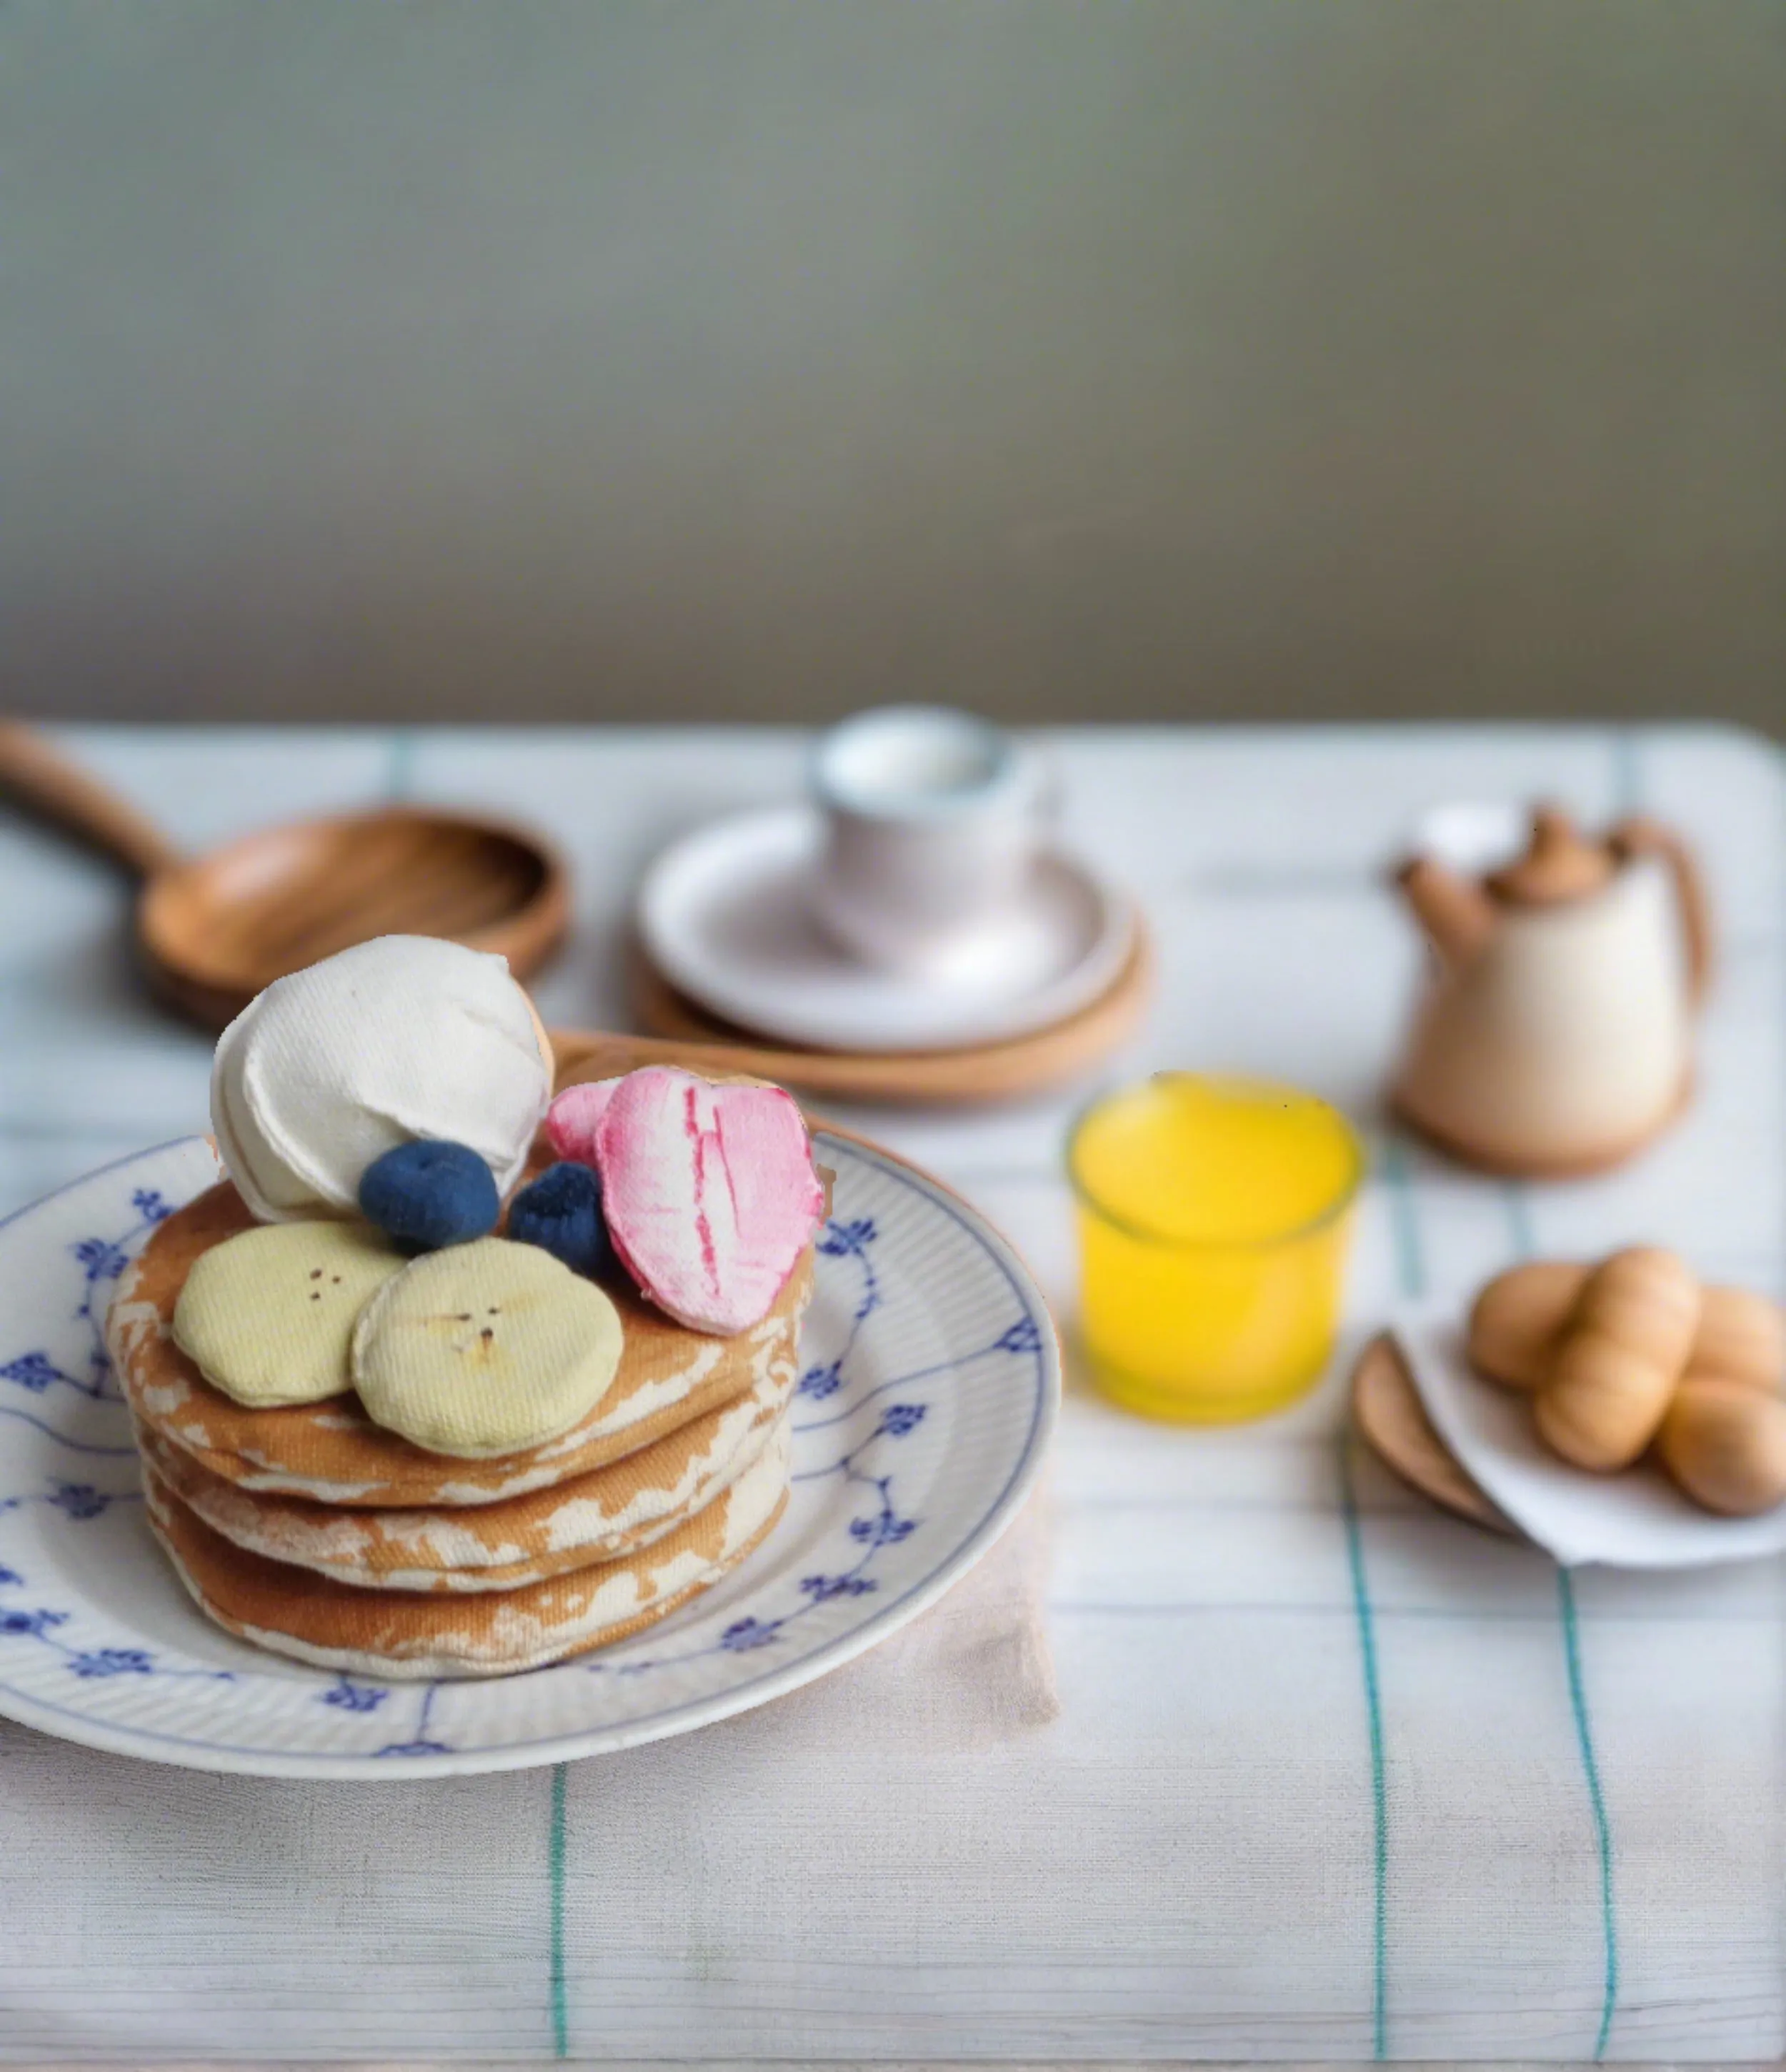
x: 738, y: 1516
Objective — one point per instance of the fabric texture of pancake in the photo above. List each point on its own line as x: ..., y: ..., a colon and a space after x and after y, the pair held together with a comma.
x: 615, y: 1510
x: 392, y: 1633
x: 332, y: 1452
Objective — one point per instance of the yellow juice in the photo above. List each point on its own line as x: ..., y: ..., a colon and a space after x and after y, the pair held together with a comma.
x: 1214, y: 1216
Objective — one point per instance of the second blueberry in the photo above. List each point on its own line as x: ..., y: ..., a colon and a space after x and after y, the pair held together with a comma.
x: 561, y: 1212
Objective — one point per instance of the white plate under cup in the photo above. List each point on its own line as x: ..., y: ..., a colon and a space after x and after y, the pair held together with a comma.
x: 726, y: 916
x: 935, y: 818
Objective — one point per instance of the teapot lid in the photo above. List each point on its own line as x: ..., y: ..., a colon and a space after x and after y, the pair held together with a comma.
x: 1559, y: 864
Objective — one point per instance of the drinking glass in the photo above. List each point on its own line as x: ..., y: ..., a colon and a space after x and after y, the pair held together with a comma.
x: 1215, y: 1216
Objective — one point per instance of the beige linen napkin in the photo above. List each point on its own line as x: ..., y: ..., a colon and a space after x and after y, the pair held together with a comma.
x: 975, y: 1669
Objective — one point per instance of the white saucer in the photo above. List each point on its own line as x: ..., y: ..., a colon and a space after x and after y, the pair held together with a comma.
x: 725, y: 917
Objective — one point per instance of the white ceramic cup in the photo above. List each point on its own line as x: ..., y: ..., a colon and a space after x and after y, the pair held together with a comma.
x: 934, y: 820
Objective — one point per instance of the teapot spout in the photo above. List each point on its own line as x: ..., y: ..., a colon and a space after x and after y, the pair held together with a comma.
x: 1457, y: 915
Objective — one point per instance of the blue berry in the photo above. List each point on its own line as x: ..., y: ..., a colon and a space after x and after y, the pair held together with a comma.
x: 561, y: 1212
x: 429, y: 1194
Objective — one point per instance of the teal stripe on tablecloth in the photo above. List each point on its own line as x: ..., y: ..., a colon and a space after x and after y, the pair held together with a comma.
x: 1373, y: 1711
x: 1520, y: 1232
x: 1524, y: 1244
x: 1627, y: 789
x: 1627, y: 771
x: 1410, y: 1266
x: 1602, y: 1829
x: 399, y: 765
x: 561, y: 2024
x: 1410, y: 1261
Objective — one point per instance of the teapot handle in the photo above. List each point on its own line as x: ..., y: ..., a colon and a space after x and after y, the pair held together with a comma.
x: 1641, y: 835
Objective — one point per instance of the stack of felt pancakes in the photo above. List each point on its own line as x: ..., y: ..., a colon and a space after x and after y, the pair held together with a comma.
x: 315, y: 1532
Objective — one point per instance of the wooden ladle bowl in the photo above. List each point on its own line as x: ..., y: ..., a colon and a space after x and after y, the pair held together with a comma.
x: 215, y: 929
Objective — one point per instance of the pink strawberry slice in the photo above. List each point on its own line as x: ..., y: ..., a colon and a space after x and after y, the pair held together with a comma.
x: 709, y: 1194
x: 571, y: 1119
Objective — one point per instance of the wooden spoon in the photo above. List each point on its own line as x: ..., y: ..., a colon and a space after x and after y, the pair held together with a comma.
x: 215, y: 929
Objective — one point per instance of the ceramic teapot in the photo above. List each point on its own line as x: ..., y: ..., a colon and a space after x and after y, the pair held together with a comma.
x: 1554, y: 1034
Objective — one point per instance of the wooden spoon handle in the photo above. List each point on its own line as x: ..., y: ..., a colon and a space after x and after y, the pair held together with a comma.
x: 1638, y: 834
x: 601, y: 1054
x: 61, y: 792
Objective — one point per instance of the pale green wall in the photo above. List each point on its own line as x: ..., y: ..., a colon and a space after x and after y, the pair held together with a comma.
x: 1078, y: 358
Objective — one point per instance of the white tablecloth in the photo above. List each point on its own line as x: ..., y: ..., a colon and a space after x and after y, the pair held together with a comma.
x: 1333, y: 1777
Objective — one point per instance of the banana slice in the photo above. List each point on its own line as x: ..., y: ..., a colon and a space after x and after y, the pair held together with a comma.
x: 485, y: 1349
x: 269, y: 1315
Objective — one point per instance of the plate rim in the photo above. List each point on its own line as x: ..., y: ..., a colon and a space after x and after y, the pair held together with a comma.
x: 1090, y: 978
x: 181, y: 1751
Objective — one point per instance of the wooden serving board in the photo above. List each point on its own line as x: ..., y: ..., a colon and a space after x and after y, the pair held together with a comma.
x: 1388, y: 1412
x: 683, y: 1033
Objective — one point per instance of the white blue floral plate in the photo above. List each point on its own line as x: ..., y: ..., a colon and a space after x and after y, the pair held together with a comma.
x: 929, y: 1381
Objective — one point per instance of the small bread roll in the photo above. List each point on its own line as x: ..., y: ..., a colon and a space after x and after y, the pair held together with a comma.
x: 1616, y: 1364
x: 1724, y: 1441
x: 1743, y: 1336
x: 1518, y: 1317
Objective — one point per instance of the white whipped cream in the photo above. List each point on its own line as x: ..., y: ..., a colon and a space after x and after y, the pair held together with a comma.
x: 400, y: 1037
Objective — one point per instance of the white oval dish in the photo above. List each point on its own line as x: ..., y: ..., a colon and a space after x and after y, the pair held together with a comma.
x: 1634, y: 1519
x: 726, y: 916
x: 930, y: 1378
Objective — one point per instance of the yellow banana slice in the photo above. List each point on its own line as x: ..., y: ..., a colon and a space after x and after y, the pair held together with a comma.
x: 484, y: 1349
x: 269, y: 1315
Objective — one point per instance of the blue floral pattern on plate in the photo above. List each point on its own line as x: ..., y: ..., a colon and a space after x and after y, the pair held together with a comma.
x: 928, y: 1386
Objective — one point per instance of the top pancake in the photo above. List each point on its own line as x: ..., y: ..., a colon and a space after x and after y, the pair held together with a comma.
x: 331, y: 1451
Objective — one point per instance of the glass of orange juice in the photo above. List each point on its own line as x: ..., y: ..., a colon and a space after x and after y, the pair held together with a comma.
x: 1214, y: 1218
